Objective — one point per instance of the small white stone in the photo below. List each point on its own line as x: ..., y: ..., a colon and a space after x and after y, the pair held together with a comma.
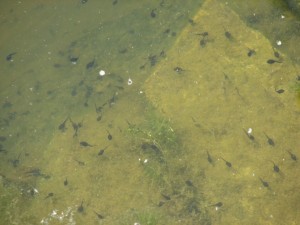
x: 249, y: 131
x: 54, y: 212
x: 145, y: 161
x: 282, y: 16
x: 129, y: 82
x: 278, y: 42
x: 101, y: 73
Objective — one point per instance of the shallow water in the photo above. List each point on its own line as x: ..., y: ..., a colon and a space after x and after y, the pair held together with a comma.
x: 153, y: 168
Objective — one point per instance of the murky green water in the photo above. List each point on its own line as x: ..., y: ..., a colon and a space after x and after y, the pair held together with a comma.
x: 80, y: 148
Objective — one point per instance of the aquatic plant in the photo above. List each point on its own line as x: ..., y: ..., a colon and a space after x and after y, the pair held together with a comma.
x: 155, y: 130
x: 155, y: 141
x: 147, y: 218
x: 296, y: 88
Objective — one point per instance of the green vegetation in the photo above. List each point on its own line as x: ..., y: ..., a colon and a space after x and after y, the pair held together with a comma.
x: 296, y: 88
x: 155, y: 130
x: 147, y: 218
x: 158, y: 173
x: 154, y: 140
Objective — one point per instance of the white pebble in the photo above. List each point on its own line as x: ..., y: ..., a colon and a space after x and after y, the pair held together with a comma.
x: 278, y: 42
x: 249, y: 131
x: 129, y: 82
x: 101, y: 73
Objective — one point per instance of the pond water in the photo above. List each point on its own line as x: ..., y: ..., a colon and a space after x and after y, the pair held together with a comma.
x: 149, y: 112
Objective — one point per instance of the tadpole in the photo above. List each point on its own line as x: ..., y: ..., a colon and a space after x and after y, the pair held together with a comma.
x: 99, y: 215
x: 16, y: 162
x: 270, y: 140
x: 66, y: 182
x: 264, y: 183
x: 80, y: 208
x: 101, y: 151
x: 293, y: 156
x: 51, y: 194
x: 62, y: 126
x: 275, y: 167
x: 109, y: 136
x: 209, y: 159
x: 228, y: 164
x: 218, y: 204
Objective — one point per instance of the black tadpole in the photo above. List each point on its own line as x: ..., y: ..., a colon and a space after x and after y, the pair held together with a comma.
x: 9, y: 57
x: 99, y: 215
x: 203, y: 34
x: 209, y: 159
x: 76, y: 126
x: 189, y: 183
x: 99, y: 108
x: 264, y: 183
x: 49, y: 195
x: 249, y: 135
x: 228, y: 164
x: 203, y: 42
x: 279, y: 91
x: 270, y: 140
x: 16, y: 162
x: 178, y: 69
x: 99, y: 117
x: 74, y: 60
x: 228, y: 35
x: 109, y: 136
x: 218, y: 204
x: 276, y: 54
x: 272, y: 61
x: 85, y: 144
x: 153, y: 13
x: 166, y: 197
x: 101, y: 151
x: 80, y: 162
x: 293, y: 156
x: 80, y: 208
x: 275, y: 167
x: 62, y: 126
x: 251, y: 52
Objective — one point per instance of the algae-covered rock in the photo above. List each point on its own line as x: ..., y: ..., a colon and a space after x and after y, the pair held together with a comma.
x: 219, y: 79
